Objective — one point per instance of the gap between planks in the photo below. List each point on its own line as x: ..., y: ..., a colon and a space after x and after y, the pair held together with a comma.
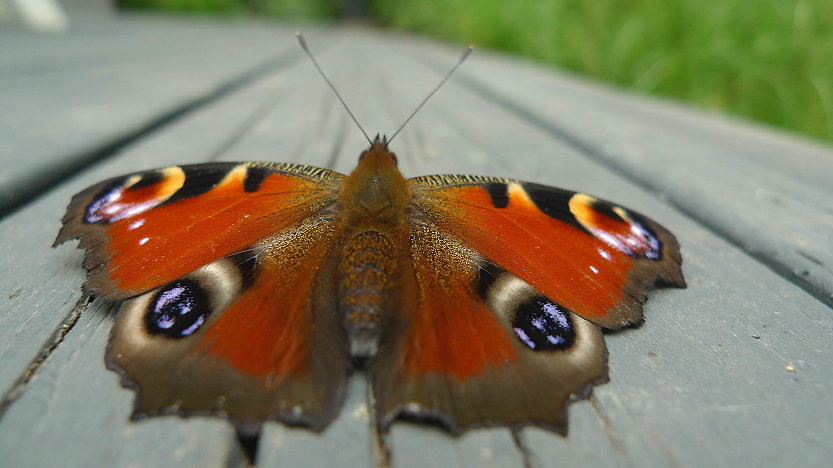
x: 16, y: 390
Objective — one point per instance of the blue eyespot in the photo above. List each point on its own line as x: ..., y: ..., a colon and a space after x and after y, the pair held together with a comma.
x: 97, y: 210
x: 543, y: 325
x: 178, y: 309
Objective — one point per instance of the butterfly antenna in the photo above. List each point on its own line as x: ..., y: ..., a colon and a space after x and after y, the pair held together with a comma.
x: 447, y: 76
x: 304, y: 46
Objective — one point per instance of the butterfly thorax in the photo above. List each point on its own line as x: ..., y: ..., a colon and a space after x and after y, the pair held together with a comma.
x: 374, y: 199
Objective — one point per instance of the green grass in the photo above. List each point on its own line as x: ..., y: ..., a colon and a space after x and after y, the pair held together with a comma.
x: 285, y: 9
x: 767, y: 60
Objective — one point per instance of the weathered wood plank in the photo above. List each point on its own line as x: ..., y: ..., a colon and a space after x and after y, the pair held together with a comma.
x: 116, y: 41
x: 348, y: 441
x: 73, y: 414
x: 60, y: 118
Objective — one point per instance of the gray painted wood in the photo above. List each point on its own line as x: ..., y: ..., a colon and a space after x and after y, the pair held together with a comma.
x: 59, y: 116
x: 735, y: 370
x: 73, y: 414
x: 348, y: 441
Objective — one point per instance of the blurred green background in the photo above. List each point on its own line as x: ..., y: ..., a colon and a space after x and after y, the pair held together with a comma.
x: 767, y: 60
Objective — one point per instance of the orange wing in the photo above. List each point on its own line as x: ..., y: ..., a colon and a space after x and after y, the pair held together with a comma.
x: 500, y: 309
x: 224, y: 315
x: 593, y: 257
x: 144, y: 230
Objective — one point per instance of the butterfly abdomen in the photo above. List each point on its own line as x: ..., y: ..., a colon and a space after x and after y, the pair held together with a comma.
x: 367, y: 266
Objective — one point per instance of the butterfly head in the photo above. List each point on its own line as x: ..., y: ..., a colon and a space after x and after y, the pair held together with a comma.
x: 379, y: 150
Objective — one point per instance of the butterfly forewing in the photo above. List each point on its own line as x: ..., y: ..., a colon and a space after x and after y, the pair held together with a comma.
x: 593, y: 257
x: 144, y: 230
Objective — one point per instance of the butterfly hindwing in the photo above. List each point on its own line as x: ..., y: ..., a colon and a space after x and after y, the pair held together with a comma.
x: 232, y: 298
x: 476, y: 346
x: 254, y: 336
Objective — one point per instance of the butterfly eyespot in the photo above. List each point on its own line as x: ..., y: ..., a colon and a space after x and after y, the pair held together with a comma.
x: 101, y: 206
x: 617, y: 227
x: 133, y: 195
x: 636, y: 240
x: 178, y: 309
x: 649, y: 245
x: 640, y: 240
x: 543, y: 325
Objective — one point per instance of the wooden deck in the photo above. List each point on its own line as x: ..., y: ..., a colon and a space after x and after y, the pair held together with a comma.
x: 736, y: 370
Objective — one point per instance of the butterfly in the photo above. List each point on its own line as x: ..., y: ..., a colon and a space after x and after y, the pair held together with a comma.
x: 252, y: 290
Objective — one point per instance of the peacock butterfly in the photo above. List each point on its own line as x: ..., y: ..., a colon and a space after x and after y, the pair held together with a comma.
x: 252, y: 290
